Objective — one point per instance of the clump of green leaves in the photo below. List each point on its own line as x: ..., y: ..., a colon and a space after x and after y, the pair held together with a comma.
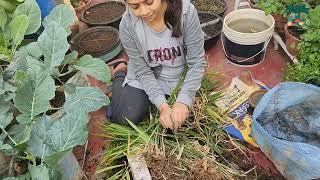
x: 278, y: 7
x: 28, y: 82
x: 308, y: 70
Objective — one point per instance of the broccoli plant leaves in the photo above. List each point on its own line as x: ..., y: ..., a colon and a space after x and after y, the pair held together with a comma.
x: 34, y: 90
x: 6, y: 116
x: 85, y: 99
x: 20, y: 133
x: 94, y: 67
x: 31, y: 10
x: 62, y: 15
x: 39, y: 135
x: 18, y: 27
x: 3, y: 18
x: 69, y: 131
x: 39, y: 172
x: 53, y: 44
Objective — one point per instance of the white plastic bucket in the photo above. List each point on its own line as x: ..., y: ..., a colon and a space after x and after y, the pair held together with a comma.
x: 246, y: 48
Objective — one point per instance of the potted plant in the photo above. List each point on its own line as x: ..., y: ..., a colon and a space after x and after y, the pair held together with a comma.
x: 308, y: 69
x: 213, y: 6
x: 30, y: 77
x: 277, y: 8
x: 297, y: 14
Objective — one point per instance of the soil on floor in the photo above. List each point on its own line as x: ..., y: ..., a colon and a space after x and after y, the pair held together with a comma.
x: 168, y: 167
x: 245, y: 161
x: 103, y: 13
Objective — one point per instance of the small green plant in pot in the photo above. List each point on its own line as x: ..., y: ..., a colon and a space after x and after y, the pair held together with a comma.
x: 278, y: 9
x: 308, y: 70
x: 30, y: 79
x: 297, y: 14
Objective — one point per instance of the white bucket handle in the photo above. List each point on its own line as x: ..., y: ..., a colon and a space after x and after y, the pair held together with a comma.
x: 244, y: 60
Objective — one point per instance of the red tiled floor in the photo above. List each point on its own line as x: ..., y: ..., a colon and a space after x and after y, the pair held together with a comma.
x: 270, y: 71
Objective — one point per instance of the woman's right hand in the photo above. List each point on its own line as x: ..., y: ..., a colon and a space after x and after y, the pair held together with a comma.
x: 165, y: 116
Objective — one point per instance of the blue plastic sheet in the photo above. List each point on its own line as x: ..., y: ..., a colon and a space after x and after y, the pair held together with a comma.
x: 286, y: 126
x: 46, y: 6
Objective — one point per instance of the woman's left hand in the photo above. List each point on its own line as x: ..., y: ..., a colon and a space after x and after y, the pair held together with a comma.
x: 179, y: 113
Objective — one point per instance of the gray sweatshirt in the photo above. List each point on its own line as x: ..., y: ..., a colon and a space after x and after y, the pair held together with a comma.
x: 155, y: 78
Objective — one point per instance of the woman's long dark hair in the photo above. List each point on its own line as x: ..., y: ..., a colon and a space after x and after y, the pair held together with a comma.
x: 172, y: 17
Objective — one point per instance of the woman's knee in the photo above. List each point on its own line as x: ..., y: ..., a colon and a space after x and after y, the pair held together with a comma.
x: 134, y: 116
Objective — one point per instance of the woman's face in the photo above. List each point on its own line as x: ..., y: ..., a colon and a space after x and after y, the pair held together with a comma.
x: 148, y: 10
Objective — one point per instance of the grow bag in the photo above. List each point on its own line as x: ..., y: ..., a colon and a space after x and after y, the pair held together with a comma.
x: 211, y: 6
x: 286, y: 126
x: 101, y: 42
x: 212, y: 30
x: 103, y: 14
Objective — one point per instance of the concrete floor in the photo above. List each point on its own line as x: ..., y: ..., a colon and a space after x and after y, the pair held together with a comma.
x: 270, y: 71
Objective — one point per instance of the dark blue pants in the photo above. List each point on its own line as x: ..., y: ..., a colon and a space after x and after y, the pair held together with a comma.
x: 127, y: 102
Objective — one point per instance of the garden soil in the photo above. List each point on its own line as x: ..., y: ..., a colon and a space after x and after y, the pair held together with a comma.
x: 210, y: 30
x: 213, y: 6
x: 167, y: 167
x: 97, y: 42
x: 103, y: 13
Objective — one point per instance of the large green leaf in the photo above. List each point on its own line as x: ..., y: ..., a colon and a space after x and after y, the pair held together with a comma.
x: 18, y: 27
x: 86, y: 99
x: 6, y: 116
x: 39, y: 134
x: 21, y: 177
x: 94, y: 67
x: 39, y: 172
x: 6, y: 89
x: 69, y: 131
x: 53, y: 44
x: 31, y: 9
x: 61, y: 15
x: 69, y: 58
x: 33, y: 50
x: 20, y: 133
x: 3, y: 18
x: 21, y: 56
x: 34, y: 90
x: 4, y: 147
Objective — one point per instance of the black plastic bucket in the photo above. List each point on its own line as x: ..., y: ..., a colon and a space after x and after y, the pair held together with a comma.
x: 245, y: 55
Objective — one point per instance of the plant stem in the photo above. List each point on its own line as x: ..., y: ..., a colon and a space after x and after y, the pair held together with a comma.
x: 3, y: 130
x: 54, y: 109
x: 66, y: 73
x: 59, y: 88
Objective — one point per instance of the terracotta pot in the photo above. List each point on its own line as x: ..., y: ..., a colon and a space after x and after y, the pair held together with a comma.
x: 280, y: 21
x: 291, y: 42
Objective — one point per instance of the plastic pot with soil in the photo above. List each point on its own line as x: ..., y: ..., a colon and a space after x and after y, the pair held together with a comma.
x: 292, y: 35
x: 213, y: 6
x: 211, y: 25
x: 102, y: 42
x: 103, y: 14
